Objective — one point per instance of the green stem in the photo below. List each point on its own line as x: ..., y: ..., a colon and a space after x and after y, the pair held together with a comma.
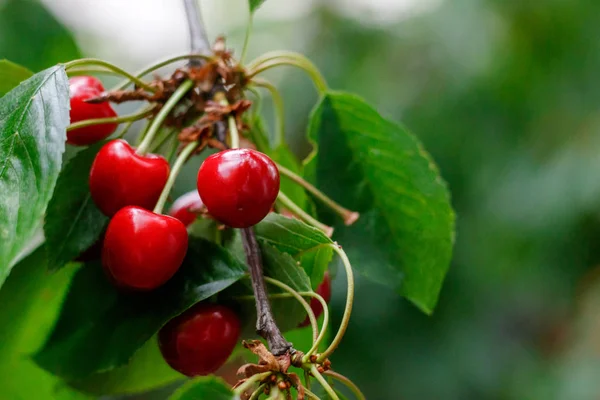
x: 234, y: 135
x: 247, y: 38
x: 112, y: 120
x: 251, y: 381
x: 256, y: 104
x: 185, y: 154
x: 161, y: 64
x: 112, y: 67
x: 275, y: 393
x: 162, y: 115
x: 304, y: 216
x: 347, y: 310
x: 351, y: 385
x: 173, y: 150
x: 321, y: 336
x: 348, y: 216
x: 125, y: 129
x: 275, y: 58
x: 307, y: 379
x: 162, y: 139
x: 90, y: 71
x: 256, y: 394
x: 297, y: 296
x: 324, y: 383
x: 279, y: 109
x: 311, y: 394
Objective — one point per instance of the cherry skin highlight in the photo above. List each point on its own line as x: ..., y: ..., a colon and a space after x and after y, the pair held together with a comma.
x: 186, y: 207
x: 82, y: 88
x: 143, y: 250
x: 238, y: 186
x: 120, y: 177
x: 324, y: 289
x: 199, y: 341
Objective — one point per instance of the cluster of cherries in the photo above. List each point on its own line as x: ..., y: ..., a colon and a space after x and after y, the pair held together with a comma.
x: 143, y: 249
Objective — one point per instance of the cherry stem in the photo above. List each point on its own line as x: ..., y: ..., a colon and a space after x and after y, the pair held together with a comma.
x: 279, y: 109
x: 163, y: 114
x: 303, y: 215
x: 90, y: 71
x: 256, y: 394
x: 166, y: 134
x: 323, y: 382
x: 321, y: 336
x: 349, y: 302
x: 251, y: 381
x: 124, y: 130
x: 307, y: 379
x: 185, y: 154
x: 351, y: 385
x: 247, y: 37
x: 310, y: 394
x: 172, y: 150
x: 265, y: 323
x: 297, y: 296
x: 276, y: 58
x: 112, y: 120
x: 348, y: 216
x: 234, y: 135
x: 114, y: 68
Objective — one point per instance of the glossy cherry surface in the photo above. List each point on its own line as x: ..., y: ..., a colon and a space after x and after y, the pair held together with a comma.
x: 143, y: 250
x: 324, y: 289
x: 199, y: 341
x: 82, y: 88
x: 238, y: 186
x: 120, y: 177
x: 186, y: 207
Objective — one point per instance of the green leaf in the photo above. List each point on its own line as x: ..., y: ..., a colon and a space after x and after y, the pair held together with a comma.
x: 11, y: 75
x: 146, y: 371
x: 30, y: 301
x: 33, y: 121
x: 100, y: 329
x: 405, y: 234
x: 305, y: 244
x: 204, y: 388
x: 73, y: 222
x: 255, y: 4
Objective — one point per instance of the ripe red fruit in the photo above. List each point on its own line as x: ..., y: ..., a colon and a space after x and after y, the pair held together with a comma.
x: 82, y: 88
x: 199, y: 341
x: 324, y: 289
x: 238, y: 186
x: 120, y: 177
x: 185, y: 208
x: 142, y: 250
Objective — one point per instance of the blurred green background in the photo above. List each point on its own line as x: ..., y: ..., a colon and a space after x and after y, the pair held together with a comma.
x: 505, y: 94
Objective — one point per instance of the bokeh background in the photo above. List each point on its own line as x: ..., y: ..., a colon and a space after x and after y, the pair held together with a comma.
x: 505, y: 94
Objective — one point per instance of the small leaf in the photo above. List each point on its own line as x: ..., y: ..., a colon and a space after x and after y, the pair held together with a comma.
x: 33, y: 121
x: 306, y: 244
x: 11, y: 75
x: 405, y: 235
x: 255, y: 4
x: 30, y: 301
x: 73, y: 222
x: 100, y: 328
x: 204, y: 388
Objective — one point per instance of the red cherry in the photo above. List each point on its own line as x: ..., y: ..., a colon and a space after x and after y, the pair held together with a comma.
x: 185, y: 208
x: 199, y: 341
x: 120, y: 177
x: 82, y: 88
x: 238, y: 186
x: 324, y: 289
x: 142, y: 250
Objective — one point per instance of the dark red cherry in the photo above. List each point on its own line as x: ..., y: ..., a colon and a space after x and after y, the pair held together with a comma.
x: 238, y: 186
x: 120, y: 177
x: 186, y: 207
x: 199, y: 341
x: 142, y: 250
x: 82, y: 88
x: 324, y: 289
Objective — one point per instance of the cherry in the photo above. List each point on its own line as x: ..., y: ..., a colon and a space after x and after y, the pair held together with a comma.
x: 120, y: 177
x: 186, y: 207
x: 82, y: 88
x: 199, y: 341
x: 142, y: 250
x: 324, y: 289
x: 238, y: 186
